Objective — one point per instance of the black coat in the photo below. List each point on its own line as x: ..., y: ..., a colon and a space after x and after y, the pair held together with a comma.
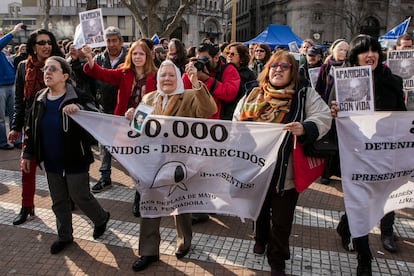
x: 76, y: 140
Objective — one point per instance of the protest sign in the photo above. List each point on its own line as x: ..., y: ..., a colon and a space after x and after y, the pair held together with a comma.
x: 377, y: 166
x: 92, y: 25
x: 186, y: 165
x: 354, y: 91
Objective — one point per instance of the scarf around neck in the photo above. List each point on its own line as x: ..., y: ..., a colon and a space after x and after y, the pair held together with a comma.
x: 34, y: 77
x: 166, y: 102
x: 267, y: 104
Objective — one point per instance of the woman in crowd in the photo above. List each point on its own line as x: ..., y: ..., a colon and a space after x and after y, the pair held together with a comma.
x: 324, y: 86
x: 177, y: 54
x: 64, y: 148
x: 262, y: 53
x: 134, y: 79
x: 237, y: 54
x: 172, y: 100
x: 29, y: 80
x: 388, y: 96
x: 282, y: 98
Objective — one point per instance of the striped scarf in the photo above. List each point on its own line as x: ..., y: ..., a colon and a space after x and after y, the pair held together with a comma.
x: 267, y: 104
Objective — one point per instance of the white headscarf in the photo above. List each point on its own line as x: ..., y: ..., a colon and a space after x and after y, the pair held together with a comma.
x: 180, y: 84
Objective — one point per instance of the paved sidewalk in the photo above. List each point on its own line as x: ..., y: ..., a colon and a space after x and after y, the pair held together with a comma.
x: 221, y: 246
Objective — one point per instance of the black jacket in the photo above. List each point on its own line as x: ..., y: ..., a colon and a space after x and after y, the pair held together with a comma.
x: 76, y: 140
x: 388, y: 95
x: 21, y: 105
x: 106, y: 94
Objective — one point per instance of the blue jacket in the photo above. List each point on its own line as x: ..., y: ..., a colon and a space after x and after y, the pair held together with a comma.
x: 7, y: 74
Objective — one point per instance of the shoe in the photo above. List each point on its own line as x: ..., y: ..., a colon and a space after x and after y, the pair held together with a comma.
x: 144, y: 261
x: 181, y: 253
x: 199, y: 218
x: 325, y: 181
x: 364, y: 265
x: 343, y: 231
x: 259, y: 248
x: 24, y: 213
x: 18, y: 145
x: 102, y: 185
x: 58, y: 246
x: 388, y: 242
x: 99, y: 230
x: 135, y: 205
x: 7, y: 147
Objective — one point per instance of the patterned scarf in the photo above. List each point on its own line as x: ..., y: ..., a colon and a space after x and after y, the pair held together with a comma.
x: 34, y: 77
x: 267, y: 104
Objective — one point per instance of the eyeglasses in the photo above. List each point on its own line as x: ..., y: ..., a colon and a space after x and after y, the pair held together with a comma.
x: 51, y: 69
x: 260, y: 51
x: 283, y: 66
x: 232, y: 54
x: 44, y: 42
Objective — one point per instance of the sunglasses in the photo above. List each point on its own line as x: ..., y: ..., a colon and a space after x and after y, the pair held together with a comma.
x: 44, y: 42
x: 232, y: 54
x: 283, y: 66
x: 260, y: 51
x: 51, y: 69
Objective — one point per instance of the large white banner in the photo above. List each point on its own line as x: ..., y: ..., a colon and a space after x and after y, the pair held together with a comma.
x: 377, y: 166
x: 185, y: 165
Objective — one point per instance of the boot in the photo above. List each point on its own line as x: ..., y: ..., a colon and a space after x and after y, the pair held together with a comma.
x: 343, y: 230
x: 22, y: 217
x: 364, y: 265
x: 135, y: 205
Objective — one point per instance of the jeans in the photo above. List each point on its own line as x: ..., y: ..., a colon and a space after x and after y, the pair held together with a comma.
x: 6, y: 107
x: 105, y: 168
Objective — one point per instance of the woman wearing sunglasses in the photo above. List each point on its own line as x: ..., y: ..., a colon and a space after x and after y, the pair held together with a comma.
x: 64, y: 147
x: 284, y: 99
x: 29, y: 80
x: 237, y: 54
x: 262, y: 53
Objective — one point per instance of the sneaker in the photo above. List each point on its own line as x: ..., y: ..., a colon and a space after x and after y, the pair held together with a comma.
x: 102, y: 185
x: 7, y: 147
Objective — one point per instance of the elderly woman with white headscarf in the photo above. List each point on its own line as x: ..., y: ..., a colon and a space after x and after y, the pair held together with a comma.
x: 171, y: 99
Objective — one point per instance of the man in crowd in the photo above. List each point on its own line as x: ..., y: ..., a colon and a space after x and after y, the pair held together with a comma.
x: 106, y: 95
x: 404, y: 42
x: 7, y: 79
x: 222, y: 80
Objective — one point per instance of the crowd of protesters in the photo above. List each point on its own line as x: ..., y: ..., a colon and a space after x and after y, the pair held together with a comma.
x: 45, y: 72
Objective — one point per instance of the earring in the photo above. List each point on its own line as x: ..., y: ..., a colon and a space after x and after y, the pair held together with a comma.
x: 35, y: 52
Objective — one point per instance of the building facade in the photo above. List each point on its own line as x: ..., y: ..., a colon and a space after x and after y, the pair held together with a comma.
x: 321, y: 20
x: 202, y: 19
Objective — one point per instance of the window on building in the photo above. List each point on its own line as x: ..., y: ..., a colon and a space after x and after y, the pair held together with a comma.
x: 317, y: 17
x: 121, y: 22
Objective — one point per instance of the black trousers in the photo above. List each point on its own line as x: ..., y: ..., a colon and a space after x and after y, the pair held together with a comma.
x: 274, y: 225
x: 386, y: 224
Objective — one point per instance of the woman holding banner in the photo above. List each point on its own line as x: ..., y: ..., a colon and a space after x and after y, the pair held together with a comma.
x: 388, y: 95
x: 282, y: 98
x: 171, y: 99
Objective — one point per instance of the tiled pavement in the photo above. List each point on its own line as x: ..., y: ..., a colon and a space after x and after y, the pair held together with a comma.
x: 222, y: 246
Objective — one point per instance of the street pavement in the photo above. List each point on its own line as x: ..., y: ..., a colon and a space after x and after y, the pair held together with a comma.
x: 221, y: 246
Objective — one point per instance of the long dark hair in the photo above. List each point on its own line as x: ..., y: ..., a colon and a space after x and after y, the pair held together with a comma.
x: 361, y: 44
x: 31, y: 42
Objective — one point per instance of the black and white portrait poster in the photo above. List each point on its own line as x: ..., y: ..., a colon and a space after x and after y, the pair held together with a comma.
x: 401, y: 63
x: 313, y: 75
x: 92, y: 25
x: 354, y: 91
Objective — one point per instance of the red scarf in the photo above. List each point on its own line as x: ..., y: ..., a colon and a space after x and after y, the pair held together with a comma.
x: 34, y: 77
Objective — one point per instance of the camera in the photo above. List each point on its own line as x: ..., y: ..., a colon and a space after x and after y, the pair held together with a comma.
x: 201, y: 62
x: 24, y: 27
